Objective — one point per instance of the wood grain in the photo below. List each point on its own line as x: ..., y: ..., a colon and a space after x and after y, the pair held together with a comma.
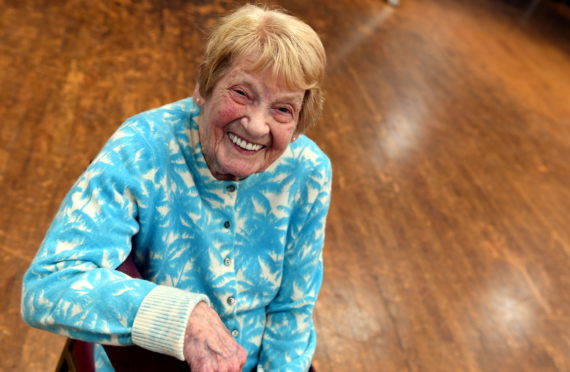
x: 448, y: 125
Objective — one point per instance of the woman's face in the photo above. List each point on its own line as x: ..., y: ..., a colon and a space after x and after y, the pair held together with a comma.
x: 247, y: 122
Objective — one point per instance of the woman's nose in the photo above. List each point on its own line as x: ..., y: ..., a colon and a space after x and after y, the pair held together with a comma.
x: 256, y: 122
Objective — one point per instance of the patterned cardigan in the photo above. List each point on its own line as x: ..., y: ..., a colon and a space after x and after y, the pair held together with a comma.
x: 252, y: 249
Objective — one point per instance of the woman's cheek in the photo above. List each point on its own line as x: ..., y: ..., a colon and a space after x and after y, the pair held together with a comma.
x: 228, y: 112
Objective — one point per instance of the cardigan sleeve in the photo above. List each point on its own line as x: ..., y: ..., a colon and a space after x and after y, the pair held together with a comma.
x: 72, y: 286
x: 289, y: 340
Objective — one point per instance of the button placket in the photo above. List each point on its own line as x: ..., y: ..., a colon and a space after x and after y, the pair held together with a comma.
x: 229, y: 195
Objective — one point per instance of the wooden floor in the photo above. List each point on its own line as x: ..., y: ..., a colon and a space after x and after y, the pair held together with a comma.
x: 448, y: 124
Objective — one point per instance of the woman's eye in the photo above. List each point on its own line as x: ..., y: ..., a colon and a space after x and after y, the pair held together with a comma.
x: 239, y: 95
x: 283, y: 114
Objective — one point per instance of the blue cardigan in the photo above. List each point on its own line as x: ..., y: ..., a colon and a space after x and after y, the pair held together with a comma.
x: 252, y: 249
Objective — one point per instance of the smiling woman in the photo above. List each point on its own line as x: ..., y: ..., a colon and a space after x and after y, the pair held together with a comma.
x: 220, y: 201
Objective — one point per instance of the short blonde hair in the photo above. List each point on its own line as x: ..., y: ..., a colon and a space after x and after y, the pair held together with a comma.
x: 290, y: 48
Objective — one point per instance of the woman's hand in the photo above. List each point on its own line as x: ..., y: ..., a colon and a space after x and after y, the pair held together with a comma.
x: 208, y: 345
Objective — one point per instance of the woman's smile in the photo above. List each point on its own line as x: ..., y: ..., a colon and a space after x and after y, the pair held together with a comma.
x: 244, y: 146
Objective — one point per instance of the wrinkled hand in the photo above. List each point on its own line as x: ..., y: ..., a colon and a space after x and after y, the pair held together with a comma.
x: 208, y: 345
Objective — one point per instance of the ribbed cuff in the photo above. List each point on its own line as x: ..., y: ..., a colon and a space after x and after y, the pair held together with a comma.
x: 161, y: 320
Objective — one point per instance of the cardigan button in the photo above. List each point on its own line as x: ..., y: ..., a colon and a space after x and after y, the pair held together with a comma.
x: 231, y: 188
x: 227, y: 224
x: 235, y: 333
x: 231, y: 301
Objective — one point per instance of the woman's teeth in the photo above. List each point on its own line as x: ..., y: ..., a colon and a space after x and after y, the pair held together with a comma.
x: 244, y: 144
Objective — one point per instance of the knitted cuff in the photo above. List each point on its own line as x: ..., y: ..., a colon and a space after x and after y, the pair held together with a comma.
x: 161, y: 320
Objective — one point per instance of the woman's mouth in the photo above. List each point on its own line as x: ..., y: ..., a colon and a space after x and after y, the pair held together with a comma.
x: 243, y: 144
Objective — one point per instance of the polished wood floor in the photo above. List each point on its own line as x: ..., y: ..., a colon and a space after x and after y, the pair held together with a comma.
x: 448, y: 124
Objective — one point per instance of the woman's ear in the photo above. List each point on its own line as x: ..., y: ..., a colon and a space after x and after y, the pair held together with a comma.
x: 196, y: 95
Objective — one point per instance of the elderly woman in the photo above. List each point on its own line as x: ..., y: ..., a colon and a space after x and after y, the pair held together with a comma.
x: 221, y: 202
